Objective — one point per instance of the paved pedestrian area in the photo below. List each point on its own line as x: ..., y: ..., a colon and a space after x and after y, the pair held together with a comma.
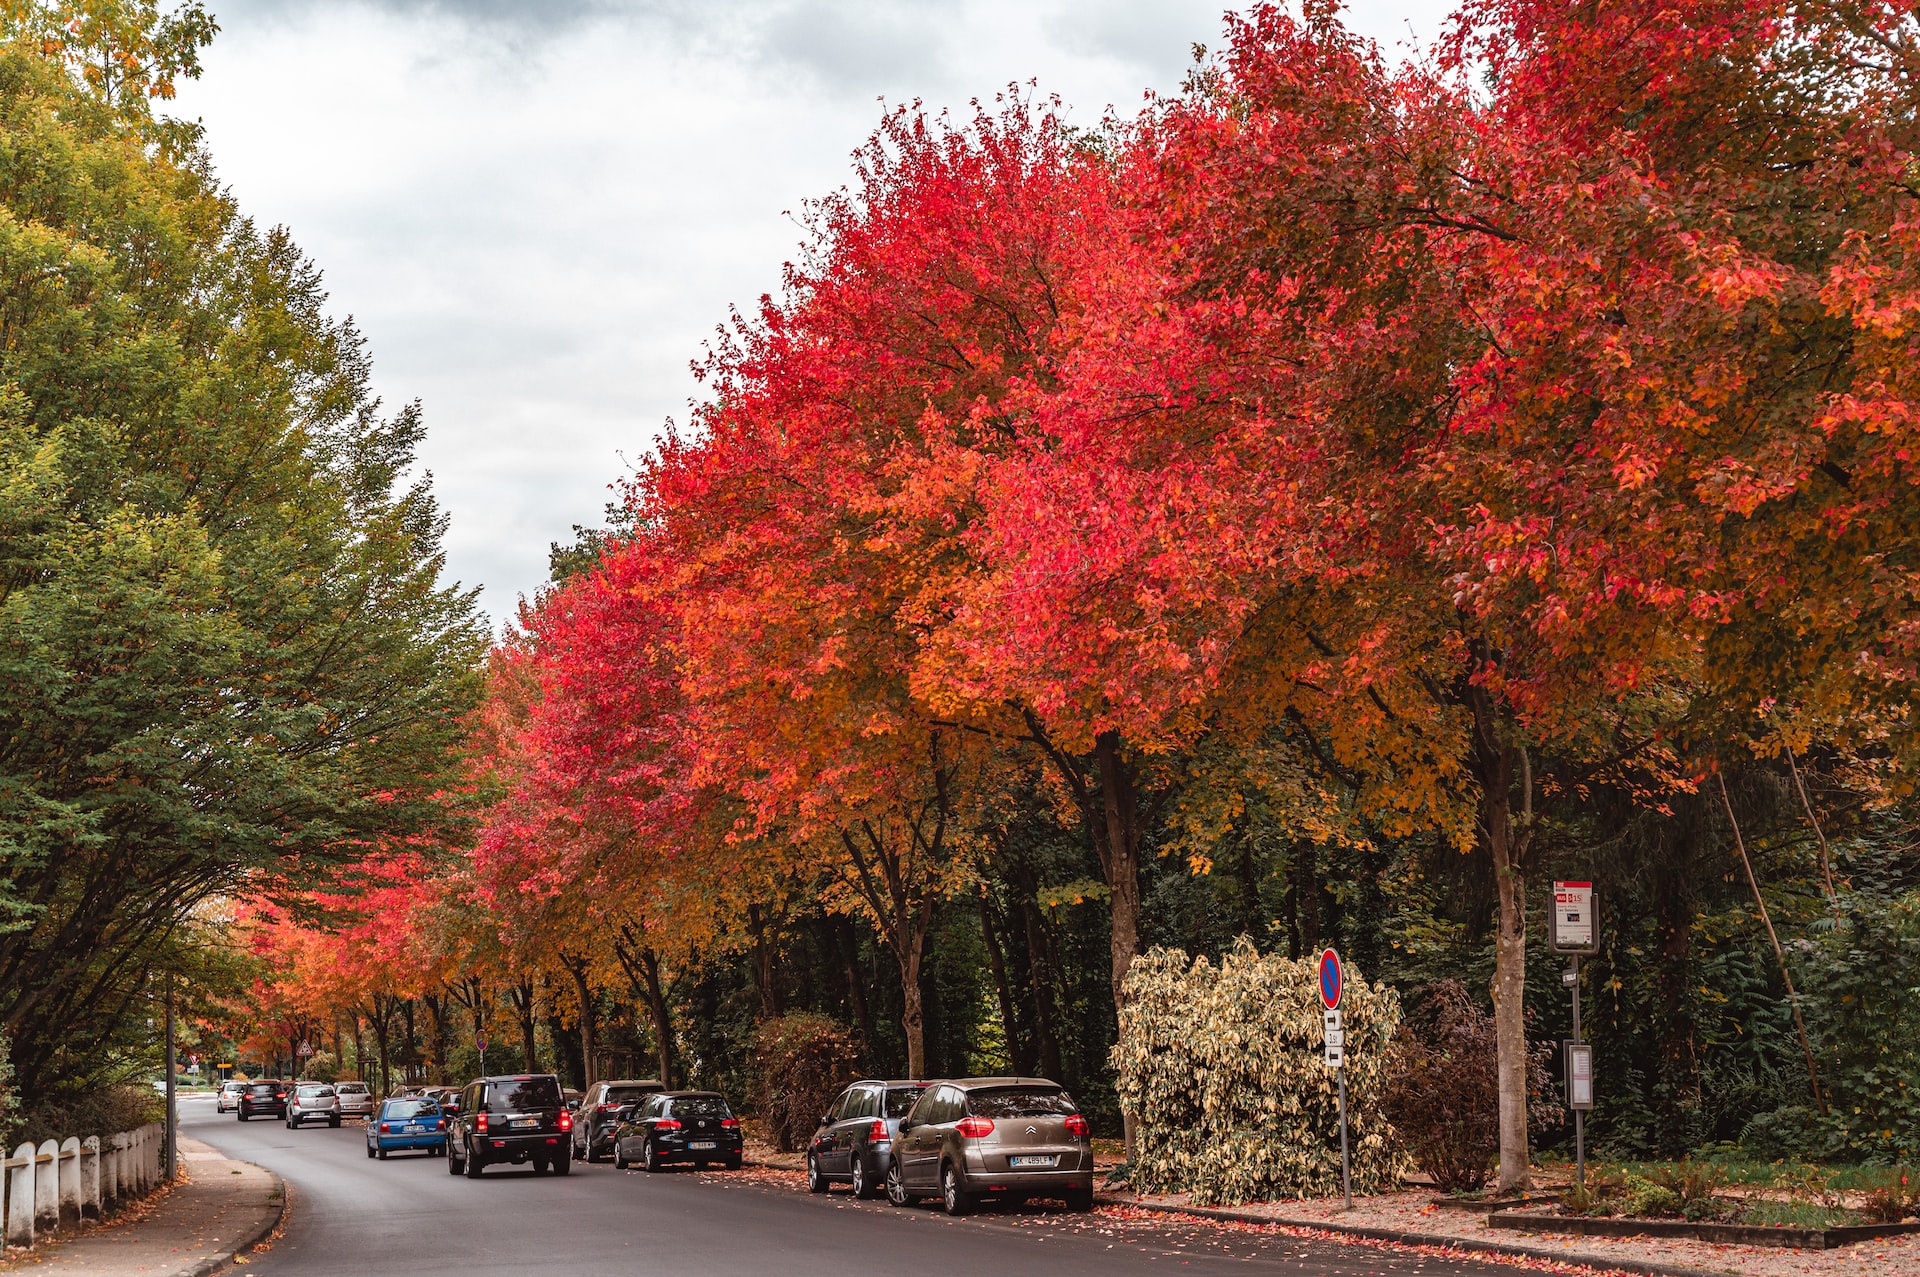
x: 223, y: 1206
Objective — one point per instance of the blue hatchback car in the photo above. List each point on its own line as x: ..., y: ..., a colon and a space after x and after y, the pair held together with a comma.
x: 410, y: 1122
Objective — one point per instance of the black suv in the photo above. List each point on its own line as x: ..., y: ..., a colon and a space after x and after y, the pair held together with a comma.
x: 511, y: 1119
x: 262, y: 1097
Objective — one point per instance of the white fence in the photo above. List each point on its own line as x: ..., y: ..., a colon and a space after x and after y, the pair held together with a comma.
x: 61, y: 1183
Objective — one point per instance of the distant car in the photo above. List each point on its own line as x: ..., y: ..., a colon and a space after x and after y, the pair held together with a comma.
x: 679, y: 1126
x: 602, y: 1109
x: 264, y: 1097
x: 415, y: 1122
x: 356, y: 1100
x: 1004, y: 1137
x: 447, y: 1097
x: 228, y: 1096
x: 519, y: 1119
x: 312, y: 1102
x: 855, y: 1141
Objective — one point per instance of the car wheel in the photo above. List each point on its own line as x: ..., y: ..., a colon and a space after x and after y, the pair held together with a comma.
x: 897, y: 1188
x: 383, y: 1154
x: 541, y: 1165
x: 562, y: 1165
x: 619, y: 1162
x: 862, y: 1184
x: 956, y: 1199
x: 369, y: 1152
x: 1080, y: 1200
x: 650, y: 1158
x: 816, y: 1182
x: 453, y: 1164
x: 334, y: 1122
x: 471, y: 1164
x: 733, y: 1162
x: 243, y: 1116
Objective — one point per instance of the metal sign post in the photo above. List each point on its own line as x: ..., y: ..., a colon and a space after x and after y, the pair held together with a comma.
x: 1332, y: 985
x: 1576, y: 932
x: 172, y: 1149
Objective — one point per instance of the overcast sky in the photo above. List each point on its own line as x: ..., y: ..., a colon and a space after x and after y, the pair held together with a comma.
x: 536, y: 212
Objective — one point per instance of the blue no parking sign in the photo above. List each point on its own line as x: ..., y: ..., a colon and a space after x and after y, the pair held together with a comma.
x: 1330, y: 980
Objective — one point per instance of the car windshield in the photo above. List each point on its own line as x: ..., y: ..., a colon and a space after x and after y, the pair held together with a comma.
x: 523, y: 1095
x: 1019, y: 1101
x: 701, y: 1106
x: 900, y: 1099
x: 412, y: 1108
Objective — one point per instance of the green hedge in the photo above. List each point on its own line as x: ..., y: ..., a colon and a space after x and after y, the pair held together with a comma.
x: 1224, y: 1070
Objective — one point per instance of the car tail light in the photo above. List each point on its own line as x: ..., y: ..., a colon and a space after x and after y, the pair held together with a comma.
x: 877, y: 1134
x: 609, y: 1105
x: 1076, y: 1125
x: 729, y: 1123
x: 566, y: 1120
x: 974, y: 1128
x: 441, y: 1125
x: 666, y: 1124
x: 480, y: 1123
x: 385, y: 1129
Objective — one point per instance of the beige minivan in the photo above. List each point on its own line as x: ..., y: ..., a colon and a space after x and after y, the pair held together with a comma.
x: 1004, y: 1137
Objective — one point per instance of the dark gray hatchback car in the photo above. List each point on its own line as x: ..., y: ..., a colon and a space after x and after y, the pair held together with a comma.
x: 854, y: 1144
x: 1004, y: 1137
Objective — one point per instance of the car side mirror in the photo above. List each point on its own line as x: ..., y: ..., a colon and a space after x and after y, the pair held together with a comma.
x: 906, y: 1124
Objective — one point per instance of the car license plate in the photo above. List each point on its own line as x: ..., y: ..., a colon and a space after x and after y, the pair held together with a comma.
x: 413, y: 1127
x: 1031, y: 1161
x: 526, y: 1121
x: 701, y: 1144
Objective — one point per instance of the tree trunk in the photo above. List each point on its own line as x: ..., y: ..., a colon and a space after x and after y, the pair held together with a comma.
x: 1039, y: 969
x: 578, y: 970
x: 521, y: 995
x: 997, y: 963
x: 657, y: 1008
x: 1494, y: 758
x: 849, y: 945
x: 913, y: 1009
x: 1306, y: 886
x: 1120, y: 862
x: 764, y: 979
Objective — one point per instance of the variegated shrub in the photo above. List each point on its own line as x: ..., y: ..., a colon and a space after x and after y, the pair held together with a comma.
x: 1224, y: 1069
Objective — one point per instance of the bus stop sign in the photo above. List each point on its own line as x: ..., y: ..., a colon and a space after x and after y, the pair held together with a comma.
x: 1331, y: 980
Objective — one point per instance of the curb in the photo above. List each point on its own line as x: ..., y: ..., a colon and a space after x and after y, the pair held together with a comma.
x: 1441, y: 1240
x: 220, y: 1262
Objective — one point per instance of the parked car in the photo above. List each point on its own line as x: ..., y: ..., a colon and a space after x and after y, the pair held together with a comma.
x: 264, y: 1097
x: 447, y: 1097
x: 601, y: 1110
x: 312, y: 1102
x: 855, y: 1141
x: 415, y: 1122
x: 679, y: 1126
x: 356, y: 1099
x: 228, y: 1096
x: 516, y: 1119
x: 1004, y: 1137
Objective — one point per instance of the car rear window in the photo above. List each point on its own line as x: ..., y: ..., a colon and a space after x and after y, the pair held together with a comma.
x: 523, y: 1095
x: 900, y: 1099
x: 264, y: 1088
x: 412, y: 1108
x: 626, y: 1094
x: 1019, y: 1101
x: 351, y: 1088
x: 320, y: 1092
x: 701, y: 1106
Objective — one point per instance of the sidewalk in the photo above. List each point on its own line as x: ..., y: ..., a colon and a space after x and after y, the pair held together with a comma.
x: 1411, y: 1218
x: 223, y: 1207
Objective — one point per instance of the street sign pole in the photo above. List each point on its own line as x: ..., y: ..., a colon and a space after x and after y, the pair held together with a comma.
x: 1332, y: 986
x: 173, y: 1109
x: 1576, y: 932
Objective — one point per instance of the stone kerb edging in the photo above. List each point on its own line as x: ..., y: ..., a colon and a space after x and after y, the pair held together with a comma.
x: 63, y: 1184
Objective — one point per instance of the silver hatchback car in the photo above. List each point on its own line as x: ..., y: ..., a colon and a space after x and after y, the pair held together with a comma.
x: 356, y: 1100
x: 1005, y: 1137
x: 313, y: 1102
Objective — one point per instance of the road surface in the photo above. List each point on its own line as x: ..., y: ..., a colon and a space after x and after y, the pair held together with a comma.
x: 351, y: 1217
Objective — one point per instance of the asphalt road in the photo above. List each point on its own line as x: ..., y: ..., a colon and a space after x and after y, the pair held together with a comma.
x: 352, y: 1216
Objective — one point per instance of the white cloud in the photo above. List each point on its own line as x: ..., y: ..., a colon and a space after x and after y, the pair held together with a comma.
x: 538, y: 211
